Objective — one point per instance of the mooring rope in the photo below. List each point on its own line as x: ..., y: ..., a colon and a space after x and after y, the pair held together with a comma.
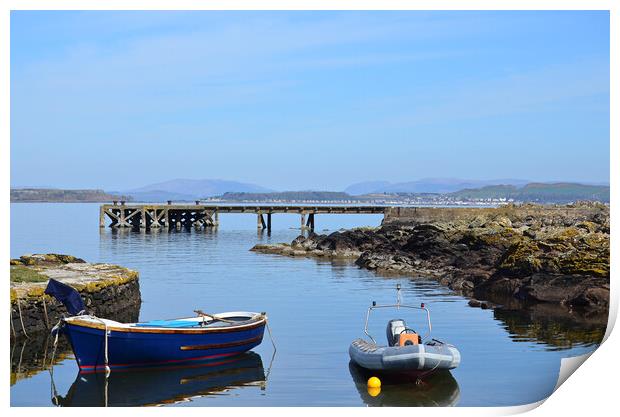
x: 105, y: 391
x: 55, y: 331
x: 53, y: 391
x: 422, y: 375
x: 21, y: 357
x: 11, y: 319
x: 105, y: 341
x: 273, y: 356
x: 47, y: 321
x: 21, y: 319
x: 270, y: 335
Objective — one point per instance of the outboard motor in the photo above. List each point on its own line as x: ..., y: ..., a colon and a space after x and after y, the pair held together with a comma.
x: 394, y: 328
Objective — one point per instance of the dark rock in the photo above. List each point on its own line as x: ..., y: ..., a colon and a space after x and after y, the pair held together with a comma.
x: 531, y: 253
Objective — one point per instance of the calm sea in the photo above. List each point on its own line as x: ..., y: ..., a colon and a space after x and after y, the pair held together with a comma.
x: 316, y: 308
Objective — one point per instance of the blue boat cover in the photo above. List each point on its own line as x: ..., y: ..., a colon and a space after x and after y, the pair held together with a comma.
x: 66, y: 295
x: 168, y: 323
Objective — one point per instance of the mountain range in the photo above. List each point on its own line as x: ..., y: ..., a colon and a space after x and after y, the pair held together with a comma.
x: 195, y: 189
x: 190, y: 189
x: 427, y: 185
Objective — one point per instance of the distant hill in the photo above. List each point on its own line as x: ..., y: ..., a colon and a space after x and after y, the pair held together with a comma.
x: 39, y: 195
x: 539, y: 192
x: 188, y: 189
x: 159, y: 196
x: 426, y: 185
x: 288, y: 196
x: 367, y: 187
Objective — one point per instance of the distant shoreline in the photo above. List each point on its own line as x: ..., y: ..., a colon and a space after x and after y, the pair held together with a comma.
x: 50, y: 195
x: 487, y: 196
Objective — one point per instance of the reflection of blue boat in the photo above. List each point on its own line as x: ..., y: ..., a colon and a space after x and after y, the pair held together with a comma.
x: 163, y: 385
x: 102, y: 344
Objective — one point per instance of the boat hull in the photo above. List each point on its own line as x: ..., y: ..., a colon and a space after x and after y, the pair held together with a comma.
x: 130, y: 348
x: 413, y: 359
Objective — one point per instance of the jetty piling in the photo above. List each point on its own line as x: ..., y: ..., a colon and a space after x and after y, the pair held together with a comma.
x: 199, y: 216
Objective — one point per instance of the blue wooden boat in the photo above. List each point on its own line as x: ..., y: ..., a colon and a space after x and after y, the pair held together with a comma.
x: 161, y: 342
x: 102, y: 344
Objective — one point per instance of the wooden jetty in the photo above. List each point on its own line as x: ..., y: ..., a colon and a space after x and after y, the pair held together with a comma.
x: 147, y: 216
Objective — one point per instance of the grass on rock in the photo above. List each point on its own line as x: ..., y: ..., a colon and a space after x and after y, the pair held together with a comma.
x: 20, y: 273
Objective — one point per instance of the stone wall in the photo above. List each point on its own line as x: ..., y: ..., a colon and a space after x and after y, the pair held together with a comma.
x: 40, y: 314
x: 558, y: 215
x: 108, y: 291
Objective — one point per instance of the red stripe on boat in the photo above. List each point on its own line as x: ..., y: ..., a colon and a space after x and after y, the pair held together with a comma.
x: 95, y: 367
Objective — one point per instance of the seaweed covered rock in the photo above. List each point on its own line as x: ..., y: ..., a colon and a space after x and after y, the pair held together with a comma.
x: 46, y: 259
x: 554, y: 254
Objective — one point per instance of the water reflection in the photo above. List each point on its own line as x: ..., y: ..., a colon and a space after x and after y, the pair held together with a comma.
x: 556, y: 327
x: 34, y: 355
x: 156, y: 386
x: 438, y: 390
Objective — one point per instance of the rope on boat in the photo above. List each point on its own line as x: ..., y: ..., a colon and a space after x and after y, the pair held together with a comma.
x: 422, y: 375
x: 105, y: 390
x: 21, y: 319
x: 105, y: 341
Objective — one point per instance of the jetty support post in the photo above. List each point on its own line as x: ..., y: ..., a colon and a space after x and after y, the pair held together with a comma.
x: 143, y: 218
x: 303, y: 221
x: 155, y: 217
x: 216, y: 218
x: 310, y: 223
x: 122, y: 216
x: 208, y: 218
x: 269, y: 222
x: 260, y: 221
x: 101, y: 216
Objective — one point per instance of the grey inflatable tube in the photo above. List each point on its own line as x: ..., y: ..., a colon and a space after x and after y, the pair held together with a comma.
x: 430, y: 356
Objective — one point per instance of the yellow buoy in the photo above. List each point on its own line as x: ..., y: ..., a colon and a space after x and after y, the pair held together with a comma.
x: 373, y: 392
x: 374, y: 382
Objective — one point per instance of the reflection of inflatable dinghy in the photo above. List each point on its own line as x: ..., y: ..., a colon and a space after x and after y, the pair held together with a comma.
x: 438, y: 390
x: 153, y: 386
x: 407, y: 351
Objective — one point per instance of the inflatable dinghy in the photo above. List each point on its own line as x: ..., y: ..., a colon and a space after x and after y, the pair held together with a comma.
x: 407, y: 352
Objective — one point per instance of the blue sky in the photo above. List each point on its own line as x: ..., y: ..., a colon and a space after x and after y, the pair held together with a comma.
x: 307, y: 100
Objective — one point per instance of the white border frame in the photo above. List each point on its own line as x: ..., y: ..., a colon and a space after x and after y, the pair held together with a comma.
x: 591, y: 391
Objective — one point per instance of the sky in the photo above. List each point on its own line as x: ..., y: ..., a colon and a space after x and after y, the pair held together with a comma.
x: 307, y: 100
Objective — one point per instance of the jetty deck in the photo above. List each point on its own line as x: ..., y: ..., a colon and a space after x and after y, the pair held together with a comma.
x: 198, y: 215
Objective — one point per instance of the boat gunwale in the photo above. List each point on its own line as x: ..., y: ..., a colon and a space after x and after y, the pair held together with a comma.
x: 76, y: 321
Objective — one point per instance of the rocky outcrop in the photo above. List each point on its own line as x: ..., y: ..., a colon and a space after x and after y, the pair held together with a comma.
x: 108, y: 291
x: 556, y: 254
